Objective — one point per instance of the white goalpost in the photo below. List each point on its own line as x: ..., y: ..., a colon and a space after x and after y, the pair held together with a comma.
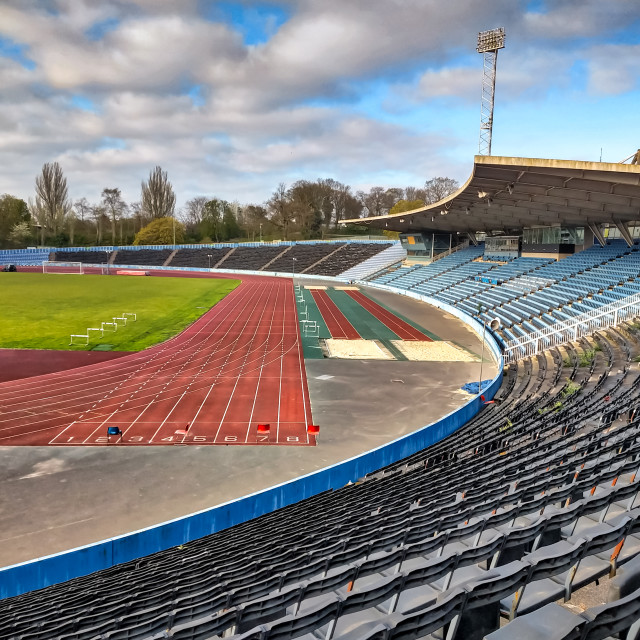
x: 50, y: 266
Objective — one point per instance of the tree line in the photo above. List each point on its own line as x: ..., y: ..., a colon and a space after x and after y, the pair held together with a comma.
x: 302, y: 211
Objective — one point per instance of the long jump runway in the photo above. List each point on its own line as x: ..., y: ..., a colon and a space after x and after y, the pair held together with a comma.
x: 238, y: 366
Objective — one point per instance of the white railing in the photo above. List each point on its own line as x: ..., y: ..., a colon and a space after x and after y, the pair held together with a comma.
x: 448, y: 252
x: 560, y: 333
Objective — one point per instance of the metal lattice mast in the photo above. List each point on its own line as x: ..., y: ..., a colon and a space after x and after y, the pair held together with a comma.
x: 488, y: 44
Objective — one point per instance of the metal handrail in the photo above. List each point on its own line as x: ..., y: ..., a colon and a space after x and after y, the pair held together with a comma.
x: 609, y: 315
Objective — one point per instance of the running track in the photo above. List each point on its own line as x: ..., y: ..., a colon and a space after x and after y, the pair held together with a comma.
x: 240, y: 364
x: 401, y: 328
x: 339, y: 327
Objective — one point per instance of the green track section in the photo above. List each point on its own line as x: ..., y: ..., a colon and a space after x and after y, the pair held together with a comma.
x: 415, y: 325
x: 395, y: 352
x: 310, y: 345
x: 367, y: 325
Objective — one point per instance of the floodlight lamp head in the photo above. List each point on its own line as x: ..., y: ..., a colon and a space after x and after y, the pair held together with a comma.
x: 494, y: 325
x: 491, y: 40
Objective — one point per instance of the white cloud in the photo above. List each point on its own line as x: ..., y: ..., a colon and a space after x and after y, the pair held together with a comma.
x: 285, y: 109
x: 613, y: 69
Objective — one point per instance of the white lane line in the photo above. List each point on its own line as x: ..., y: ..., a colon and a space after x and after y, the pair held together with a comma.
x: 264, y: 355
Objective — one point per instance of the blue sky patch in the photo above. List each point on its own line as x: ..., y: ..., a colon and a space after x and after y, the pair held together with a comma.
x: 256, y: 23
x: 112, y: 143
x: 195, y: 93
x: 16, y: 51
x: 83, y: 103
x: 98, y: 30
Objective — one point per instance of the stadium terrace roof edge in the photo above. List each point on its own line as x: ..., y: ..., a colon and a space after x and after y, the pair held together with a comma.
x: 509, y: 193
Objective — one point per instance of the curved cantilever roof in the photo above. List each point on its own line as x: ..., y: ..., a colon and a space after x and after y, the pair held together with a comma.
x: 507, y: 194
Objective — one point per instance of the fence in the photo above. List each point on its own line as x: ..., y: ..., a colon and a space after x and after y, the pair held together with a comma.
x: 563, y: 332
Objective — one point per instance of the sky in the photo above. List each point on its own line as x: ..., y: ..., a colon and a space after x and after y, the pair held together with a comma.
x: 232, y: 98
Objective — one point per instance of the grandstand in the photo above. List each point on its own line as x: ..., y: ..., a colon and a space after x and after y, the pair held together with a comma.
x: 355, y: 258
x: 491, y: 529
x: 445, y: 538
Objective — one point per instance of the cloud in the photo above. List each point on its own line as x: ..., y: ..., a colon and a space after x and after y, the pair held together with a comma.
x: 296, y: 103
x: 613, y: 69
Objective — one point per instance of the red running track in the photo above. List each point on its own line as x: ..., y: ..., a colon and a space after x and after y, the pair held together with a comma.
x: 240, y: 364
x: 338, y: 325
x: 401, y: 328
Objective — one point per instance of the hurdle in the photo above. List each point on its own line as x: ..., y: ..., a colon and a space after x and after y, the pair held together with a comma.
x: 80, y: 335
x: 115, y: 319
x: 96, y: 329
x: 129, y: 314
x: 110, y: 324
x: 310, y: 329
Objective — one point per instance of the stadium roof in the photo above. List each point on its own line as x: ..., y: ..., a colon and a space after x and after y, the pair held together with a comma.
x: 506, y: 194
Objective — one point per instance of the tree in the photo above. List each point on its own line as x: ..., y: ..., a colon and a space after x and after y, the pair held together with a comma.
x: 230, y: 226
x: 438, y: 188
x: 82, y: 208
x: 20, y: 234
x: 374, y: 201
x: 413, y: 193
x: 406, y: 205
x: 280, y: 209
x: 193, y: 210
x: 100, y: 218
x: 160, y: 231
x: 309, y: 205
x: 115, y: 207
x: 13, y: 211
x: 158, y: 199
x: 52, y: 197
x: 256, y: 221
x: 211, y: 223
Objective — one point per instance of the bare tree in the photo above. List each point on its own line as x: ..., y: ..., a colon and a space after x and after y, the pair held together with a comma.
x: 139, y: 219
x: 116, y: 207
x: 280, y: 209
x: 71, y: 226
x: 439, y: 188
x: 39, y: 217
x: 52, y: 196
x: 413, y: 193
x: 193, y: 211
x: 374, y: 201
x: 100, y: 217
x: 158, y: 197
x: 82, y: 208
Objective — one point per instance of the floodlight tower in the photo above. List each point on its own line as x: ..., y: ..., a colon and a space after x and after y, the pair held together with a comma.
x: 488, y: 44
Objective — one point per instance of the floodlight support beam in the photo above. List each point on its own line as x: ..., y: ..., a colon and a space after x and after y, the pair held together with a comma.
x: 489, y: 42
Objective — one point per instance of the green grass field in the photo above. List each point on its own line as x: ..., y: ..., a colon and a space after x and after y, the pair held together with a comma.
x: 40, y: 311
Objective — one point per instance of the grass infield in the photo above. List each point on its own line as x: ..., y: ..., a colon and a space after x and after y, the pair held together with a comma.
x: 40, y: 311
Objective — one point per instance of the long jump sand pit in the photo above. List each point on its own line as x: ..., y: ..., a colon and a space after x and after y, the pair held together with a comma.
x: 436, y: 351
x: 356, y: 349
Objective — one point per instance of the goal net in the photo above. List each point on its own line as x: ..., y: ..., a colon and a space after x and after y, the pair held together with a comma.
x: 50, y: 266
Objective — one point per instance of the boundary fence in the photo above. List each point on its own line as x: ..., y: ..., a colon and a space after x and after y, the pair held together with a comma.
x: 43, y: 572
x: 561, y: 333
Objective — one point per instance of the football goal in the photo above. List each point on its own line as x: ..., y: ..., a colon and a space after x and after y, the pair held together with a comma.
x: 50, y: 266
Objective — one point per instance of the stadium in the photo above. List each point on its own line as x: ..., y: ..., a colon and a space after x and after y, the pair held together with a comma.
x: 429, y: 437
